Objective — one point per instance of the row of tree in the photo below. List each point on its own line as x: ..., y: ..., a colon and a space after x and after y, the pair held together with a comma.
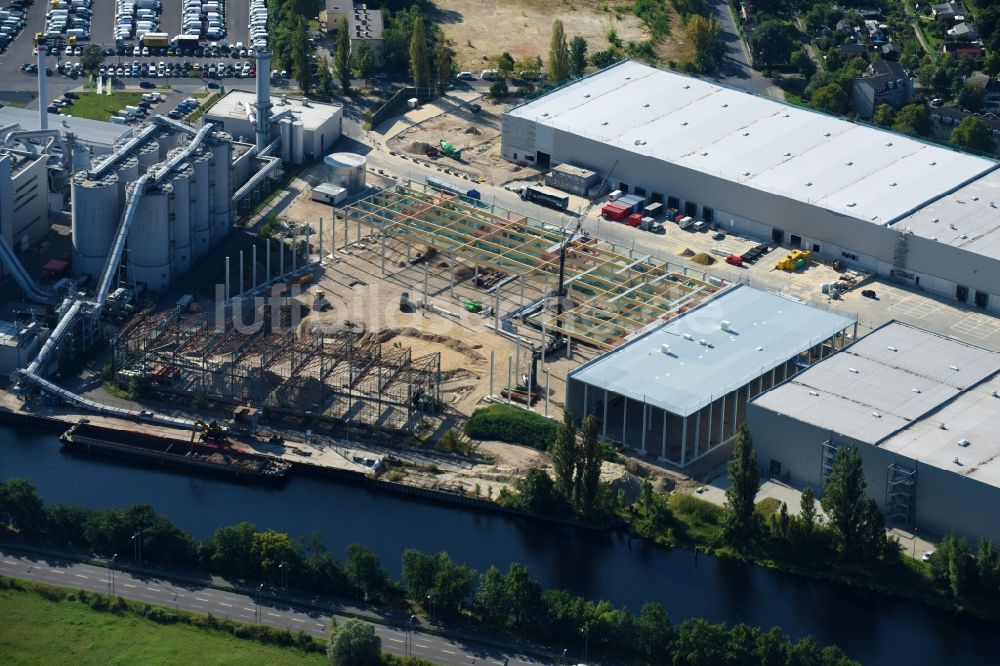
x: 511, y: 600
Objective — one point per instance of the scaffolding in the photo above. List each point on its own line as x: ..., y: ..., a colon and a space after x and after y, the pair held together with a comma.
x: 611, y: 291
x: 345, y: 377
x: 900, y: 494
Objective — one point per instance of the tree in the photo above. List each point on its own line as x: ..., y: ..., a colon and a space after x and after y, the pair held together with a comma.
x: 491, y: 598
x: 772, y: 43
x: 564, y: 455
x: 364, y: 61
x: 365, y: 572
x: 91, y: 59
x: 655, y: 631
x: 744, y: 482
x: 844, y: 496
x: 419, y: 571
x: 300, y: 57
x: 324, y: 79
x: 342, y: 57
x: 504, y: 66
x: 588, y: 469
x: 577, y: 55
x: 884, y: 115
x: 354, y: 643
x: 228, y: 551
x: 974, y: 134
x: 274, y: 551
x: 802, y: 62
x: 961, y: 569
x: 872, y: 531
x: 808, y: 512
x: 534, y: 493
x: 971, y: 97
x: 21, y: 507
x: 559, y: 63
x: 986, y: 565
x: 443, y: 65
x: 913, y: 119
x: 420, y: 62
x: 523, y: 595
x: 498, y: 89
x: 602, y: 59
x: 831, y: 98
x: 453, y: 584
x: 704, y: 46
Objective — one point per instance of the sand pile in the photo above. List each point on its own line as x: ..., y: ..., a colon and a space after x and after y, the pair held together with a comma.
x: 703, y: 259
x: 418, y: 148
x: 687, y: 252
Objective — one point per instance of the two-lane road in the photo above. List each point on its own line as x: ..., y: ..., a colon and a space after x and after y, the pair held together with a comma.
x: 243, y: 607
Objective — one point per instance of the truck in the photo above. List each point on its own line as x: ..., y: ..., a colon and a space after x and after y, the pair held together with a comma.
x: 685, y: 222
x: 445, y: 186
x: 187, y: 41
x: 156, y: 39
x: 545, y: 197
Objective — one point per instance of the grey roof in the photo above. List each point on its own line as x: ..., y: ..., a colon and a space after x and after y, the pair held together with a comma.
x: 95, y: 132
x: 766, y: 330
x: 855, y: 170
x: 895, y: 388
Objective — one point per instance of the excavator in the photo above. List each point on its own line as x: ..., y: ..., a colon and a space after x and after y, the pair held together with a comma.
x: 210, y: 432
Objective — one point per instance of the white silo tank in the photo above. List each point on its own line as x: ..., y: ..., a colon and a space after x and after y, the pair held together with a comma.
x: 94, y: 221
x: 201, y: 224
x: 148, y: 155
x: 149, y: 239
x: 180, y: 225
x: 298, y: 142
x: 167, y: 140
x: 285, y: 131
x: 222, y: 191
x: 128, y: 171
x: 346, y: 170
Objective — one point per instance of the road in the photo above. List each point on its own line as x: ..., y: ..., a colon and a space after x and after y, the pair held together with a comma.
x: 735, y: 69
x: 241, y: 607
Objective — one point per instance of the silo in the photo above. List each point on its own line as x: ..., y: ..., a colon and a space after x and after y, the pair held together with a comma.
x: 167, y: 140
x: 148, y: 155
x: 201, y: 225
x: 180, y: 225
x: 149, y: 239
x: 222, y: 191
x: 298, y: 141
x: 346, y: 170
x: 95, y: 219
x: 285, y: 130
x: 128, y: 171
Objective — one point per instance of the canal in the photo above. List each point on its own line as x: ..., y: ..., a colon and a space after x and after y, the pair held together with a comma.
x: 871, y: 628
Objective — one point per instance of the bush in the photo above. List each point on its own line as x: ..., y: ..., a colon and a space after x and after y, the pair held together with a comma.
x: 513, y: 425
x: 695, y: 509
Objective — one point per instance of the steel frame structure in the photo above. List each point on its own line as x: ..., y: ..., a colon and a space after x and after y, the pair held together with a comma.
x: 610, y: 292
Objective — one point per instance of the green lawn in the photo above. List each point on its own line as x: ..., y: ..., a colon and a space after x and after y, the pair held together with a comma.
x: 101, y: 107
x: 37, y: 631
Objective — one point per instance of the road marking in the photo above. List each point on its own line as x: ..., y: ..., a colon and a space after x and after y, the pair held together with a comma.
x: 200, y: 599
x: 153, y: 589
x: 57, y: 571
x: 421, y: 645
x: 128, y: 585
x: 80, y: 576
x: 296, y: 619
x: 252, y: 610
x: 10, y: 562
x: 447, y: 651
x: 396, y: 640
x: 274, y: 614
x: 147, y: 596
x: 221, y: 603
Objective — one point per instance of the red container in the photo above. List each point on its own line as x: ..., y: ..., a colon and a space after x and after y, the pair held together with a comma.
x: 735, y: 260
x: 614, y: 212
x: 635, y: 219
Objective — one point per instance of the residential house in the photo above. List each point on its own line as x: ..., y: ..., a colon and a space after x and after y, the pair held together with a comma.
x: 364, y: 25
x: 891, y: 51
x: 851, y: 50
x: 948, y: 12
x: 885, y: 82
x: 963, y: 32
x: 948, y: 117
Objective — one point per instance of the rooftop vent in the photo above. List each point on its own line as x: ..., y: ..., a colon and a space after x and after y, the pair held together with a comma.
x: 957, y: 461
x: 746, y: 173
x: 963, y: 237
x: 788, y: 154
x: 848, y: 163
x: 888, y: 143
x: 851, y: 205
x: 686, y: 86
x: 684, y: 122
x: 953, y: 367
x: 891, y: 348
x: 646, y: 105
x: 876, y: 415
x: 935, y: 220
x: 746, y: 133
x: 587, y: 95
x: 964, y: 442
x: 724, y: 325
x: 759, y: 348
x: 808, y: 183
x: 915, y: 390
x: 892, y: 183
x: 724, y: 106
x: 826, y: 134
x: 975, y: 198
x: 703, y: 342
x: 704, y: 153
x: 932, y: 163
x: 813, y: 393
x: 943, y: 427
x: 854, y: 370
x: 665, y: 348
x: 688, y: 336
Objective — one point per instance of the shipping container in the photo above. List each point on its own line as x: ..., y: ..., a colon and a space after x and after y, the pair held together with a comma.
x: 614, y: 212
x: 635, y: 219
x: 653, y: 209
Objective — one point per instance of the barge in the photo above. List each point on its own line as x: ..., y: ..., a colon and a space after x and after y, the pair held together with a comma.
x: 144, y: 447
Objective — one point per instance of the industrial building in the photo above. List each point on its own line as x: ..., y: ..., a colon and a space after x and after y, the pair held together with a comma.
x: 177, y: 220
x: 19, y: 343
x: 96, y: 137
x: 307, y: 129
x: 679, y: 390
x: 24, y: 197
x: 364, y: 25
x: 924, y: 412
x: 880, y: 202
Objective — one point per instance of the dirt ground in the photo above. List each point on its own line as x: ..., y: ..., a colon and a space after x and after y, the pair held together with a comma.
x: 477, y: 135
x: 483, y: 28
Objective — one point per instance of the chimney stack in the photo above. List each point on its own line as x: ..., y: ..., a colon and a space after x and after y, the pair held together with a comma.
x: 263, y: 104
x: 43, y: 102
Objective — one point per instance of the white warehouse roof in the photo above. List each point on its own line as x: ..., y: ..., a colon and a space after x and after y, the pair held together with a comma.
x: 860, y: 171
x: 705, y: 362
x: 234, y: 104
x: 909, y: 391
x: 96, y: 132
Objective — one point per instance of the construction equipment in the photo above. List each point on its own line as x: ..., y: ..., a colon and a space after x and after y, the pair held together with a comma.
x: 449, y: 150
x: 473, y: 306
x: 795, y: 260
x: 210, y: 432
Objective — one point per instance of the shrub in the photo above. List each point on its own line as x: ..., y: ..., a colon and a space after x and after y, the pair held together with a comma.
x: 695, y: 509
x: 513, y: 425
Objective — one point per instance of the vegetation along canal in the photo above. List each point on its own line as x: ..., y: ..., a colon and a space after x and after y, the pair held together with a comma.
x: 869, y: 627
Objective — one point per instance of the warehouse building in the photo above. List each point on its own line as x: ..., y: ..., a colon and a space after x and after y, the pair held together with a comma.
x: 680, y: 390
x: 924, y: 411
x: 307, y: 128
x: 95, y: 136
x: 881, y: 202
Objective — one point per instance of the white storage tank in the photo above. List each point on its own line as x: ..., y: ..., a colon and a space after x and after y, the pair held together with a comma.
x: 149, y: 239
x: 95, y: 219
x: 167, y: 140
x: 346, y: 170
x: 148, y: 155
x: 222, y: 191
x: 298, y: 142
x: 128, y: 171
x: 180, y: 224
x: 285, y: 130
x: 201, y: 224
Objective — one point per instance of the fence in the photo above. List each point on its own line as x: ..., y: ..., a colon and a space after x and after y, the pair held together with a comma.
x: 398, y: 101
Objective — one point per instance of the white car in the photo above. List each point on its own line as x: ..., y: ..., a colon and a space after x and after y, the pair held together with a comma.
x: 928, y: 556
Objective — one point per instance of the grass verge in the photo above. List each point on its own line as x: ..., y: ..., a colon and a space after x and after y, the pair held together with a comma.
x: 101, y: 107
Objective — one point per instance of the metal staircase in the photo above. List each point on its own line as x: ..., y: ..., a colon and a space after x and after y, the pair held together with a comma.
x: 829, y: 451
x: 900, y: 250
x: 900, y: 494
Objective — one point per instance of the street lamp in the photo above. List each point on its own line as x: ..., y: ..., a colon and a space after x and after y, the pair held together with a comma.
x: 284, y: 575
x: 430, y: 607
x: 260, y: 590
x: 111, y: 575
x: 409, y: 635
x: 586, y: 640
x: 137, y: 547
